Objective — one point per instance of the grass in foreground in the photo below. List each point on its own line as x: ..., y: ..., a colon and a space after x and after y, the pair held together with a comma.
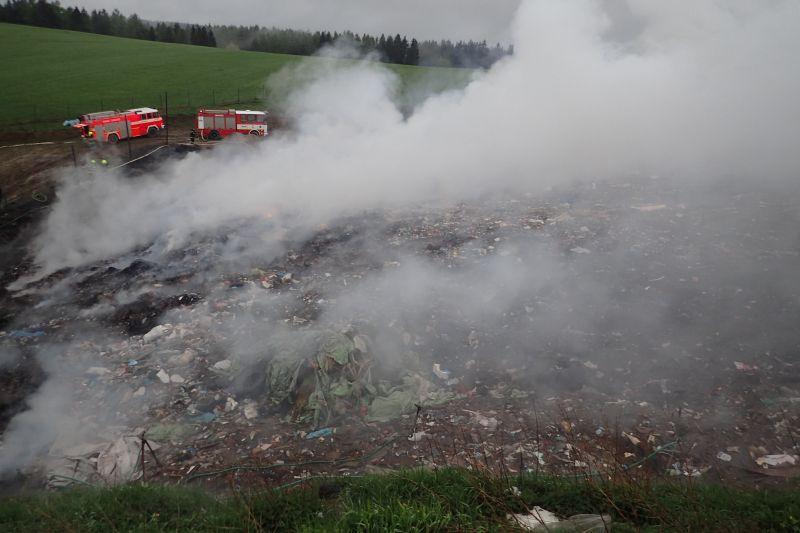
x: 405, y: 501
x: 52, y: 75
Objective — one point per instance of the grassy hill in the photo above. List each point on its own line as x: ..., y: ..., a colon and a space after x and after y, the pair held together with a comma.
x: 51, y: 75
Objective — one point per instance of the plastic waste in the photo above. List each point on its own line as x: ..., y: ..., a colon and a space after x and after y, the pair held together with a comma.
x: 539, y: 519
x: 323, y: 432
x: 440, y: 373
x: 23, y: 334
x: 776, y: 460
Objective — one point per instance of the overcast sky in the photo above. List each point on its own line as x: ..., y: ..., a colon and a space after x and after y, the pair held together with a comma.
x: 424, y: 19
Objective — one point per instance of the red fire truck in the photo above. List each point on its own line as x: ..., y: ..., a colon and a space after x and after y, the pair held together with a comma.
x: 218, y: 123
x: 113, y: 126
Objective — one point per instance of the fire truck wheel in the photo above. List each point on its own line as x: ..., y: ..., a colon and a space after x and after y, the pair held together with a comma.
x: 113, y: 138
x: 254, y: 132
x: 152, y: 131
x: 214, y: 135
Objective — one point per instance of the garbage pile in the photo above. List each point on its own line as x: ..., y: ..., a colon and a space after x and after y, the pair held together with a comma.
x: 600, y: 327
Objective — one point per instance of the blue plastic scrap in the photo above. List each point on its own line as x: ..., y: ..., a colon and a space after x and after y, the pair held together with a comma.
x: 23, y: 334
x: 204, y: 418
x: 324, y: 432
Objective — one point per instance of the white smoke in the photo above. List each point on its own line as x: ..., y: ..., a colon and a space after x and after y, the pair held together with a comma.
x: 701, y: 92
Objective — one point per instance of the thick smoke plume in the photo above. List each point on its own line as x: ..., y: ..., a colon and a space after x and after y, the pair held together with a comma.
x: 704, y: 98
x: 702, y: 92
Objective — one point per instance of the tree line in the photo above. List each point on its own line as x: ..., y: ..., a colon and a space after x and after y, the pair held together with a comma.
x: 389, y: 49
x: 53, y: 15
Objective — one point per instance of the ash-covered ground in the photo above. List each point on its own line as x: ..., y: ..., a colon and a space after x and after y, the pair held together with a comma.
x: 632, y: 325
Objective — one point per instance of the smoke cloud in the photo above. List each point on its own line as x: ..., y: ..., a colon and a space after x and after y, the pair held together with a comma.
x: 595, y: 92
x: 698, y: 94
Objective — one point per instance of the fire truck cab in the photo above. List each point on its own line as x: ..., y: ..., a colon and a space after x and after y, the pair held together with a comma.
x: 113, y: 126
x: 218, y: 123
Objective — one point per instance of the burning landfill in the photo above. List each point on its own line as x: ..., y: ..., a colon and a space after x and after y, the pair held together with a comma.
x: 462, y: 286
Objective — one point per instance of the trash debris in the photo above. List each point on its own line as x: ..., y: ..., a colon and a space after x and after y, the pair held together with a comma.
x: 535, y: 519
x: 23, y: 334
x: 203, y: 418
x: 722, y: 456
x: 230, y: 404
x: 418, y: 436
x: 489, y: 423
x: 776, y: 460
x: 441, y: 374
x: 156, y: 333
x: 323, y: 432
x: 250, y: 410
x: 649, y: 207
x: 225, y: 364
x: 633, y: 439
x: 163, y: 376
x: 169, y: 432
x: 119, y: 463
x: 744, y: 366
x: 539, y: 519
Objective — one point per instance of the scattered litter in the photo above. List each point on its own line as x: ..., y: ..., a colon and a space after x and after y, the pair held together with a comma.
x: 634, y: 440
x: 23, y: 334
x: 163, y: 376
x: 204, y: 418
x: 418, y: 436
x: 441, y: 374
x: 120, y: 462
x: 538, y: 519
x: 649, y: 207
x: 225, y: 364
x: 722, y: 456
x: 580, y: 250
x: 230, y: 404
x: 323, y: 432
x: 250, y: 410
x: 155, y: 333
x: 489, y: 423
x: 165, y: 432
x: 744, y: 366
x: 776, y: 460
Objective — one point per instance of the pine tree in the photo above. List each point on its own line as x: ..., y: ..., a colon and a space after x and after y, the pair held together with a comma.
x: 412, y: 56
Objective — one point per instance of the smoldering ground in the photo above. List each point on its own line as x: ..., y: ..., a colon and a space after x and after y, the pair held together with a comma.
x: 590, y: 217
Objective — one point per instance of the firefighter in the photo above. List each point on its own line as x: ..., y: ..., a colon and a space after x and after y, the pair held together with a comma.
x: 192, y: 135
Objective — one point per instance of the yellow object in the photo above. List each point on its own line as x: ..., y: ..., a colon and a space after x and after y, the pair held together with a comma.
x: 103, y: 162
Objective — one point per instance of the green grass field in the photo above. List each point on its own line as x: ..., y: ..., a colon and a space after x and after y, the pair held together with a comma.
x: 52, y: 75
x: 445, y: 500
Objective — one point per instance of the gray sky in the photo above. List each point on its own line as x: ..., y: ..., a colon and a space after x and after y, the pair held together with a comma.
x: 425, y: 19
